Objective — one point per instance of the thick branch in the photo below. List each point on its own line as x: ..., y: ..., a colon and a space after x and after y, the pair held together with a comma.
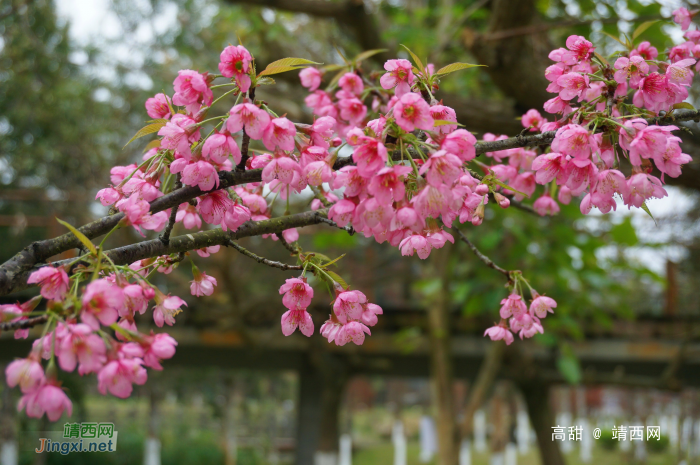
x: 180, y: 244
x: 351, y: 14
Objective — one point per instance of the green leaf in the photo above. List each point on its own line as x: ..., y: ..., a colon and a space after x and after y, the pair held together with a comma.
x: 683, y: 106
x: 568, y: 365
x: 286, y: 64
x: 366, y: 54
x: 506, y: 186
x: 81, y: 237
x: 454, y: 67
x: 416, y: 60
x: 646, y: 209
x: 325, y: 265
x: 152, y: 144
x: 337, y: 278
x: 265, y: 81
x: 442, y: 122
x: 146, y: 130
x: 334, y: 67
x: 641, y: 28
x: 615, y: 39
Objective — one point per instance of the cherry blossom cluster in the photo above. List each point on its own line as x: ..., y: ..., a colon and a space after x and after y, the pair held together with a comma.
x: 385, y: 158
x: 516, y: 317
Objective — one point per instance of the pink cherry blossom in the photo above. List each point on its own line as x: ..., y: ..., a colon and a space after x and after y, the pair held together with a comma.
x: 310, y: 78
x: 47, y: 398
x: 682, y: 16
x: 235, y: 63
x: 156, y: 348
x: 642, y: 187
x: 79, y: 344
x: 579, y: 50
x: 633, y: 68
x: 213, y: 206
x: 354, y: 332
x: 53, y: 281
x: 399, y: 75
x: 279, y: 134
x: 219, y: 146
x: 25, y: 372
x: 541, y: 305
x: 442, y: 168
x: 342, y: 212
x: 498, y: 332
x: 574, y: 140
x: 370, y: 156
x: 291, y: 319
x: 412, y: 112
x: 461, y: 143
x: 387, y: 186
x: 178, y: 134
x: 283, y: 169
x: 512, y: 306
x: 352, y: 110
x: 234, y: 217
x: 250, y: 117
x: 352, y: 83
x: 191, y: 90
x: 645, y: 50
x: 443, y: 113
x: 369, y: 314
x: 546, y: 205
x: 202, y: 174
x: 572, y: 85
x: 167, y: 307
x: 580, y: 174
x: 187, y: 214
x: 415, y: 243
x: 348, y: 306
x: 157, y: 107
x: 101, y: 301
x: 533, y: 119
x: 202, y: 284
x: 118, y: 376
x: 679, y: 72
x: 557, y: 105
x: 297, y: 294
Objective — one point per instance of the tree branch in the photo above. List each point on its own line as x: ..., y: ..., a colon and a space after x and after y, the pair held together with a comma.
x: 155, y: 248
x: 487, y: 261
x: 263, y: 260
x: 13, y: 273
x: 351, y: 14
x: 24, y: 324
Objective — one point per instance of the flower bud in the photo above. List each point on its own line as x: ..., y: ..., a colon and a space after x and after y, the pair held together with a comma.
x: 502, y: 200
x: 482, y: 189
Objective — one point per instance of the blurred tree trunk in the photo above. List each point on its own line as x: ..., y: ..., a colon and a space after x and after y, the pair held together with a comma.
x: 537, y: 395
x: 441, y: 360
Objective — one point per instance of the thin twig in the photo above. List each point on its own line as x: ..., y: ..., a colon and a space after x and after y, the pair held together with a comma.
x: 294, y: 249
x: 24, y: 324
x: 350, y: 230
x: 165, y: 235
x: 487, y: 261
x: 263, y: 260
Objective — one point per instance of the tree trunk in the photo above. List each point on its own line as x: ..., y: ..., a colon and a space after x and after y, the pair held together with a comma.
x: 536, y: 396
x: 441, y: 363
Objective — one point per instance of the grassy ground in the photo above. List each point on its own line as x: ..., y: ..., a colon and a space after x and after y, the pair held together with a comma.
x: 383, y: 454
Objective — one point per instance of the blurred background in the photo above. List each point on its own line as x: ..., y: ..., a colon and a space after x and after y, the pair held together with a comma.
x: 621, y: 349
